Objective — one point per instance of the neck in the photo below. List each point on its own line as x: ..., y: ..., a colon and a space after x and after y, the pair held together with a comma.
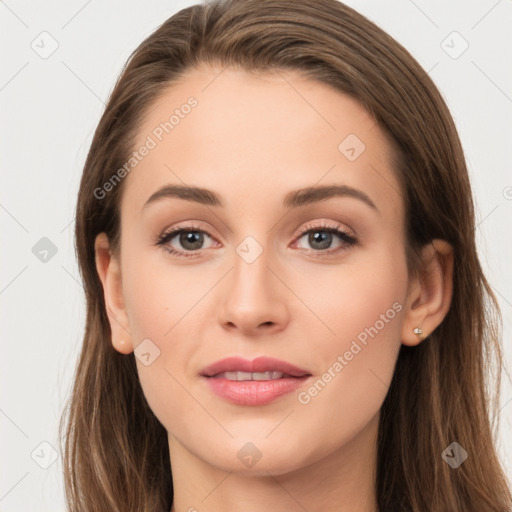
x: 341, y: 481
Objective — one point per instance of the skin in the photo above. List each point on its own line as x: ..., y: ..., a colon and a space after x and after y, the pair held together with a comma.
x: 252, y: 138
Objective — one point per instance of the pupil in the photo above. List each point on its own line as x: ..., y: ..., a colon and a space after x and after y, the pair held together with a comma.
x: 192, y: 237
x: 318, y: 237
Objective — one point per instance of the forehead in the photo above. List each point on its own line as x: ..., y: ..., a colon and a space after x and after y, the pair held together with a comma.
x: 259, y: 135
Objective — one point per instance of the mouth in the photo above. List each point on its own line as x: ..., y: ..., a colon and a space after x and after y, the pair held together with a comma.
x: 256, y: 382
x: 244, y: 376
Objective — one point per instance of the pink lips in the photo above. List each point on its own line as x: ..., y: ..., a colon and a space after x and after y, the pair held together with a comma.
x: 253, y: 392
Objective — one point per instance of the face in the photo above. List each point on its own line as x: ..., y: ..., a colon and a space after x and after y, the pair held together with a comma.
x: 254, y: 269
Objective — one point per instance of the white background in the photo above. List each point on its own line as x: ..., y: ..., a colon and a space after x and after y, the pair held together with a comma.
x: 50, y: 108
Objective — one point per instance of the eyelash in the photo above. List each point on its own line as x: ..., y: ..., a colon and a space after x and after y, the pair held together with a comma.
x: 348, y: 239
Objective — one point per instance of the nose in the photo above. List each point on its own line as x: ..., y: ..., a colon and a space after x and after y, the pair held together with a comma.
x: 254, y: 298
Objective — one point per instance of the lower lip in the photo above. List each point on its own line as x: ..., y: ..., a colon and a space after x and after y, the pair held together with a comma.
x: 254, y: 392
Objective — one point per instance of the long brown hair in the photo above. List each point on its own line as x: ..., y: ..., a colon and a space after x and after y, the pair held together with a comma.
x: 116, y: 455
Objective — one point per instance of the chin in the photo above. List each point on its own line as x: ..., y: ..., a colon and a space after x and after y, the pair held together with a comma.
x: 257, y: 456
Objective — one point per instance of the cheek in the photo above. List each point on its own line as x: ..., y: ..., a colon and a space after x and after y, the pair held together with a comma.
x: 163, y: 302
x: 362, y: 306
x: 360, y: 301
x: 157, y: 294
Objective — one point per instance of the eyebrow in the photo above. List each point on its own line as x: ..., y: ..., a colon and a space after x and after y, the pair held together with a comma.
x: 293, y: 199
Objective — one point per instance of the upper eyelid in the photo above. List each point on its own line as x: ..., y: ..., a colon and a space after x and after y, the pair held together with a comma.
x: 304, y: 229
x: 326, y: 225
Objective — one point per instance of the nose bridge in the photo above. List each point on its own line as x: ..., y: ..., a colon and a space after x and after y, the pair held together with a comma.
x: 253, y: 295
x: 251, y: 276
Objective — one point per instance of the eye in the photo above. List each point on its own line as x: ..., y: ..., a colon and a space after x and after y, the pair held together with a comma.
x: 189, y: 237
x: 320, y: 237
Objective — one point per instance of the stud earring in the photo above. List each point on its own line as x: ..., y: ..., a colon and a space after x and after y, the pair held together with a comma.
x: 417, y: 331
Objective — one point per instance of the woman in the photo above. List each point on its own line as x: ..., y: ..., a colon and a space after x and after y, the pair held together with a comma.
x: 285, y: 306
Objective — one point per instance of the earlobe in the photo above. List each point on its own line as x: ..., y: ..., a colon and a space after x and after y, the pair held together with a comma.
x: 109, y: 271
x: 430, y: 293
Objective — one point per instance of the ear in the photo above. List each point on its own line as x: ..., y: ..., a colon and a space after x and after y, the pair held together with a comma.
x: 430, y: 293
x: 109, y: 270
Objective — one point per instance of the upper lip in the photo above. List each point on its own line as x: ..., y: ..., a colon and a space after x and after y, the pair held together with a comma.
x: 258, y: 365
